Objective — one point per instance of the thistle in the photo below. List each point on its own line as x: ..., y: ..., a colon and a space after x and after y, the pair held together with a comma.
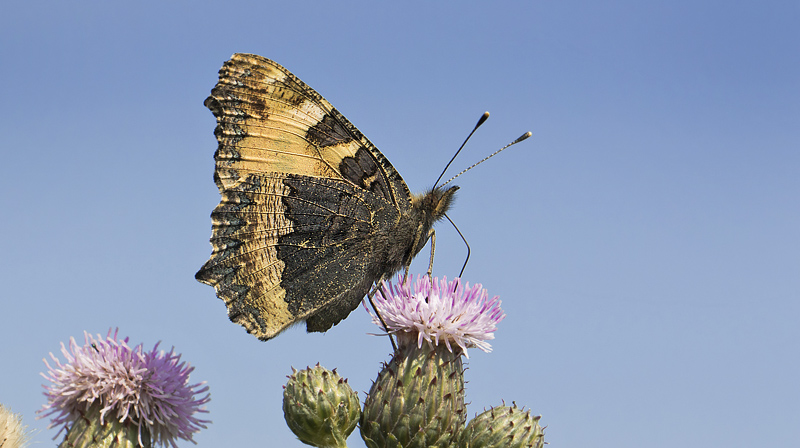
x: 418, y: 398
x: 320, y: 407
x: 13, y: 433
x: 107, y: 394
x: 438, y: 312
x: 503, y: 427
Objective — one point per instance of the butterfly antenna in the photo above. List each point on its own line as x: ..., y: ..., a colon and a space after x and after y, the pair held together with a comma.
x: 465, y: 243
x: 481, y: 120
x: 521, y: 138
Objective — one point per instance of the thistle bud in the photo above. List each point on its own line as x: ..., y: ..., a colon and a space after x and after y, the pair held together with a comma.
x: 503, y: 426
x: 320, y: 407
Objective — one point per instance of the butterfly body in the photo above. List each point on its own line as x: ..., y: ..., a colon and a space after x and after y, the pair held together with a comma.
x: 312, y: 214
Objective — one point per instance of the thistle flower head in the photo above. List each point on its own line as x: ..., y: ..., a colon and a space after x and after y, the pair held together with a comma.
x: 148, y: 389
x: 13, y: 433
x: 438, y: 311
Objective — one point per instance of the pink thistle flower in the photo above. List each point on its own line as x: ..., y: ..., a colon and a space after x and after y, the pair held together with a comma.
x: 438, y: 311
x: 145, y: 388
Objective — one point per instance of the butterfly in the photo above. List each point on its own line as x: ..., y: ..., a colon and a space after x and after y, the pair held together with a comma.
x: 312, y: 214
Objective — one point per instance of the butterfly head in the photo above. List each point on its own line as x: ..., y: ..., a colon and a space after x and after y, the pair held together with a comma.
x: 435, y: 203
x: 426, y: 209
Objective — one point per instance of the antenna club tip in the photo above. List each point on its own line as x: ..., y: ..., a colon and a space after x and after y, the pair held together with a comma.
x: 483, y: 119
x: 523, y: 137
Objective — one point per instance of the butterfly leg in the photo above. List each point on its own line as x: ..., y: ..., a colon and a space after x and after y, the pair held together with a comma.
x: 377, y: 313
x: 405, y: 274
x: 432, y: 236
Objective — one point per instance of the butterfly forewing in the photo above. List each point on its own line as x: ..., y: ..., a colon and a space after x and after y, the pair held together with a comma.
x: 269, y: 120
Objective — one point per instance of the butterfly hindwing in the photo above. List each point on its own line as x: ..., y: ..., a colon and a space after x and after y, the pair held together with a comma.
x: 331, y: 256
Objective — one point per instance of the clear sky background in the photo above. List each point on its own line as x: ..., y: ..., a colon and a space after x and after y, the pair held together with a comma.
x: 645, y: 242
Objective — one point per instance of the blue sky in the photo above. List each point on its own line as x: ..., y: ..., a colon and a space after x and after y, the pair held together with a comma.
x: 645, y: 242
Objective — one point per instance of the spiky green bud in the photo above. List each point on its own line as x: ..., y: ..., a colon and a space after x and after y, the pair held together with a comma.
x: 320, y: 407
x: 417, y: 400
x: 503, y: 426
x: 89, y: 432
